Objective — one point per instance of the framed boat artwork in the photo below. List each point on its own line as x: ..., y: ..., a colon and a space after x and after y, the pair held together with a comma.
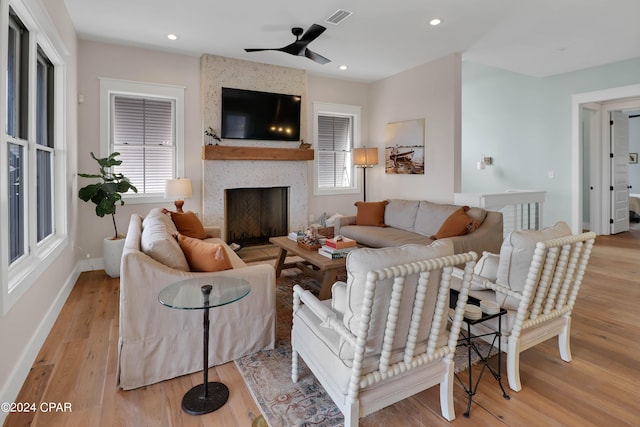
x: 404, y: 147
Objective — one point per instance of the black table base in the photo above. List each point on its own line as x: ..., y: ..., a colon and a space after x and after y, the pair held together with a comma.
x: 197, y: 402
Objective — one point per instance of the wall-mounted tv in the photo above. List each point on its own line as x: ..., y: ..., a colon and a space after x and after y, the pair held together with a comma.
x: 248, y: 114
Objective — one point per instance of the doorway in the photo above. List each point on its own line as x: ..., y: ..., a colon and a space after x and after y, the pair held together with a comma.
x: 591, y: 206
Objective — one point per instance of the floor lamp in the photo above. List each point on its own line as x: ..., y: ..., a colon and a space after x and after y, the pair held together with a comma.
x: 365, y: 158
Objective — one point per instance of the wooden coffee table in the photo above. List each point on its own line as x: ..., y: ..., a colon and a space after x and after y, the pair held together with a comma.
x: 315, y: 265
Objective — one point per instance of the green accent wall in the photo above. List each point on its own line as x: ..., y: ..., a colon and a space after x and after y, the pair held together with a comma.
x: 524, y: 123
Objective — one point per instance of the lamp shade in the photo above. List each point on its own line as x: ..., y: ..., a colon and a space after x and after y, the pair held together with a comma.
x: 365, y: 157
x: 179, y: 188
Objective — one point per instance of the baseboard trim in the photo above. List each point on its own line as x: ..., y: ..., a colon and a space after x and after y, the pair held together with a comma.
x: 20, y: 372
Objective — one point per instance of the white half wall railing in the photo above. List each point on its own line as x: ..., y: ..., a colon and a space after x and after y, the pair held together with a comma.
x: 521, y: 209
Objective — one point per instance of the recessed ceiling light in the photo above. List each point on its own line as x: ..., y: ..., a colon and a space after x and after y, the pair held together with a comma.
x: 172, y: 37
x: 343, y: 67
x: 435, y: 21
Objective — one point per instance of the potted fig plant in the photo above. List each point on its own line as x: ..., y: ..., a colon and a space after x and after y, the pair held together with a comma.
x: 106, y: 194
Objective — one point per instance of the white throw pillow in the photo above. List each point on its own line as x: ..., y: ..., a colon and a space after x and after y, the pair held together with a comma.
x: 158, y: 242
x: 516, y: 254
x: 487, y: 267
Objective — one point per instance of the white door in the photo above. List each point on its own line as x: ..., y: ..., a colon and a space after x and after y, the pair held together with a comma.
x: 619, y: 172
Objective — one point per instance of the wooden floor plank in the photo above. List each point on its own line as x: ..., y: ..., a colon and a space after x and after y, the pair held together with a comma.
x: 77, y: 364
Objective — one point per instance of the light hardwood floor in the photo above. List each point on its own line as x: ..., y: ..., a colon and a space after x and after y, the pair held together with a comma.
x: 600, y: 387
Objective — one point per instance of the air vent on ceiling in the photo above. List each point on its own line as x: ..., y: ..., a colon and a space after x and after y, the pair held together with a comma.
x: 338, y: 16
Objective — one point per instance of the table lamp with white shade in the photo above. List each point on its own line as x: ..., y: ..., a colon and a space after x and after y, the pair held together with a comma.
x: 178, y: 189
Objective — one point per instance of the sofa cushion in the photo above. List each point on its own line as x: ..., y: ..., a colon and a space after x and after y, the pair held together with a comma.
x: 431, y: 216
x: 457, y: 224
x: 487, y: 267
x: 203, y: 256
x: 188, y: 224
x: 158, y: 242
x: 371, y: 213
x: 361, y: 261
x: 381, y: 237
x: 401, y: 214
x: 516, y: 254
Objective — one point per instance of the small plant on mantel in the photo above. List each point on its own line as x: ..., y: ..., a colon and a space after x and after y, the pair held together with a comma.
x: 106, y: 193
x: 212, y: 134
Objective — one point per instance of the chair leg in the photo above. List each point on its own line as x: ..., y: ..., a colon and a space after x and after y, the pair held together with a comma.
x: 352, y: 417
x: 446, y: 394
x: 294, y: 362
x: 513, y: 365
x: 564, y: 341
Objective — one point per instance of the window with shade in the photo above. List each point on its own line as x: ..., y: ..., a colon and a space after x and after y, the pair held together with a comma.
x: 336, y: 131
x: 145, y: 125
x: 143, y: 134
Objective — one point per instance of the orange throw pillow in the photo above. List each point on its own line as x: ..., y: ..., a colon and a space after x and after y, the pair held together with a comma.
x: 188, y: 224
x: 458, y: 224
x: 371, y: 213
x: 203, y: 256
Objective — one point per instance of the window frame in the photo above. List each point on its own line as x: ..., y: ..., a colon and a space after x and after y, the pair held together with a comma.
x: 109, y: 88
x: 20, y: 275
x: 336, y: 110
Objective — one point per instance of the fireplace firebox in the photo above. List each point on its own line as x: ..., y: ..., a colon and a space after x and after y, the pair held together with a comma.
x: 252, y: 215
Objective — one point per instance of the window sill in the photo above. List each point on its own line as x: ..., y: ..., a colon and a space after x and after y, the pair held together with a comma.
x: 335, y: 191
x: 136, y: 199
x: 24, y: 275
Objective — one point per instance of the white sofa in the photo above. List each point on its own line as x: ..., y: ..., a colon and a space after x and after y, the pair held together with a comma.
x: 158, y: 343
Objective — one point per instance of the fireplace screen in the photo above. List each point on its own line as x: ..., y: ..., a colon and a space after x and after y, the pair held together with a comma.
x: 252, y: 215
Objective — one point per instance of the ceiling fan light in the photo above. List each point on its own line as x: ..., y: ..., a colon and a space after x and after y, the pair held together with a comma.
x: 434, y: 22
x: 343, y: 67
x: 172, y: 37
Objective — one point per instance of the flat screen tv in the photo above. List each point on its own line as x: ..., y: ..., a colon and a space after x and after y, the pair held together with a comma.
x: 248, y: 114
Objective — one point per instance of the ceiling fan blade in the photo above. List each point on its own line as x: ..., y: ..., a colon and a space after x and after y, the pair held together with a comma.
x: 312, y: 33
x: 294, y: 48
x: 258, y: 50
x: 315, y: 57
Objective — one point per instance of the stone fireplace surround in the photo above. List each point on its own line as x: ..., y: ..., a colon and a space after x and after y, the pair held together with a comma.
x: 217, y: 175
x: 220, y: 175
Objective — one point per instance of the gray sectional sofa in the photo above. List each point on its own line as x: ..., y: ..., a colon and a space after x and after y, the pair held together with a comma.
x: 415, y: 221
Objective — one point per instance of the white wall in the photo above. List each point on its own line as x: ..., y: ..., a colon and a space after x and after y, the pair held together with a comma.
x: 24, y: 328
x: 128, y: 63
x: 524, y: 123
x: 430, y: 91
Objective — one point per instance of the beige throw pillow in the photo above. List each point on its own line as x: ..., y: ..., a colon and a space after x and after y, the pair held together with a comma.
x: 516, y: 254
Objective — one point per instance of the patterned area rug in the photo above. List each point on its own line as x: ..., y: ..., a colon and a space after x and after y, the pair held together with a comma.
x: 268, y: 373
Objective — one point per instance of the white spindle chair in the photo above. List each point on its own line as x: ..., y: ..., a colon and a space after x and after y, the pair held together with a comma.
x: 539, y: 303
x: 383, y: 336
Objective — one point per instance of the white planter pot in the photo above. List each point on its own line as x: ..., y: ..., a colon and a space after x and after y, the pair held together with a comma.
x: 112, y: 253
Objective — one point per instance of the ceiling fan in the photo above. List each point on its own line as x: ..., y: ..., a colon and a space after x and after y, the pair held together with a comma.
x: 299, y: 47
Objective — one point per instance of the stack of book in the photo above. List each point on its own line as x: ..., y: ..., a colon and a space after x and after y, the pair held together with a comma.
x: 296, y: 235
x: 337, y: 248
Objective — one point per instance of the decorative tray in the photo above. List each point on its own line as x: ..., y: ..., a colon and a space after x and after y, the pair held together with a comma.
x: 309, y: 247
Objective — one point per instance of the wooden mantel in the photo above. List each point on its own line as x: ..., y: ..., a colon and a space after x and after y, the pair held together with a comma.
x: 232, y: 152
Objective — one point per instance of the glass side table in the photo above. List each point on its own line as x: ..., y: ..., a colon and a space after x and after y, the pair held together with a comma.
x: 469, y: 340
x: 203, y: 293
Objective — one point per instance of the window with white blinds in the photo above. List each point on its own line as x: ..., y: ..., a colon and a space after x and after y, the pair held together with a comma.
x: 143, y: 132
x: 336, y: 133
x: 335, y: 169
x: 144, y: 122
